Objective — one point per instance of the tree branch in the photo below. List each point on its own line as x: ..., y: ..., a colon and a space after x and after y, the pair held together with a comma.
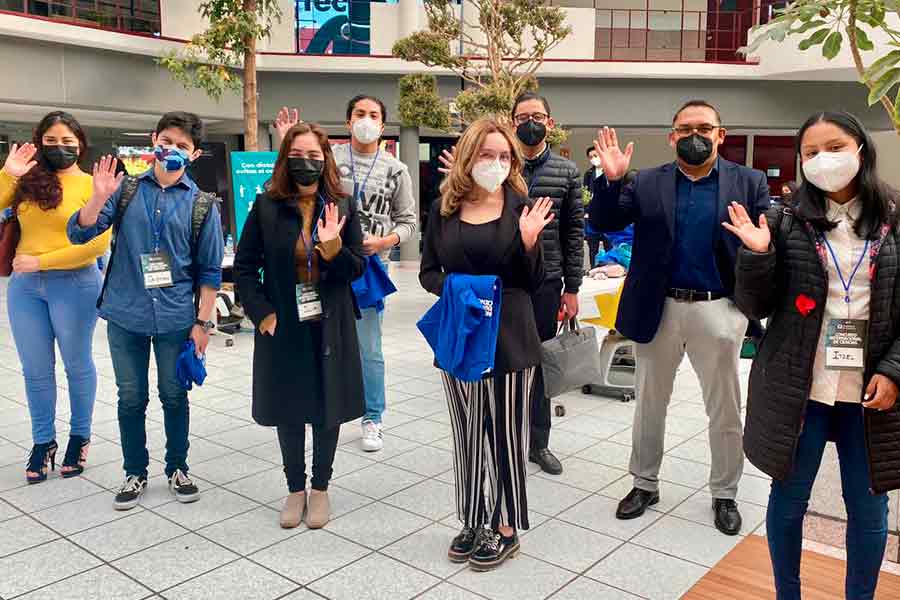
x: 861, y: 69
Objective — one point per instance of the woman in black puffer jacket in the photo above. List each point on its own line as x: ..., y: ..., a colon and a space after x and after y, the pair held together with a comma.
x: 827, y: 276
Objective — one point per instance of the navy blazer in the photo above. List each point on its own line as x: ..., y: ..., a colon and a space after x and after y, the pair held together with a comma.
x: 649, y: 203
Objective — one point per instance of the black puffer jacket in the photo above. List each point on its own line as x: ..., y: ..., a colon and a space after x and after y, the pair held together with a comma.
x: 563, y: 239
x: 767, y: 285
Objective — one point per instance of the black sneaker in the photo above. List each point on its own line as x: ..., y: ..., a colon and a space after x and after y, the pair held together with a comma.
x: 493, y: 551
x: 130, y: 493
x: 184, y: 489
x: 464, y: 544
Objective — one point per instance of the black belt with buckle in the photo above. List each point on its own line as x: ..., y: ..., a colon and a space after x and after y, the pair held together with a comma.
x: 682, y: 295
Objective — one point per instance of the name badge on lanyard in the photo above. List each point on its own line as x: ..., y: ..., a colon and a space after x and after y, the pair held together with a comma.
x: 845, y: 339
x: 157, y: 266
x: 309, y: 301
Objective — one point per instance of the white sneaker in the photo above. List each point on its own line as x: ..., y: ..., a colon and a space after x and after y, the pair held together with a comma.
x: 372, y: 437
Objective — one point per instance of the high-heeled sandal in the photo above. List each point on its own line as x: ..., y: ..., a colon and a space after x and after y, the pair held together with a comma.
x: 42, y: 460
x: 76, y: 456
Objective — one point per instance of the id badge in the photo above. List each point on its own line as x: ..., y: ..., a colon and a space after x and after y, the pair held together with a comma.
x: 845, y: 344
x: 157, y: 270
x: 309, y: 303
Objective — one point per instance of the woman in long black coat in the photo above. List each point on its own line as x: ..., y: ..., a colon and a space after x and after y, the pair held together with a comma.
x: 299, y: 250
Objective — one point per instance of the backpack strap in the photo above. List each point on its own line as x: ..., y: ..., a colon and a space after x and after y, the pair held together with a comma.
x: 203, y: 203
x: 785, y: 223
x: 129, y: 189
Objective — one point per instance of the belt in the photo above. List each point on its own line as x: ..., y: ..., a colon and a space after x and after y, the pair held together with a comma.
x: 682, y: 295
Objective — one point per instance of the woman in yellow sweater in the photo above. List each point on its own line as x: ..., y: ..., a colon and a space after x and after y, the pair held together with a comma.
x: 54, y: 287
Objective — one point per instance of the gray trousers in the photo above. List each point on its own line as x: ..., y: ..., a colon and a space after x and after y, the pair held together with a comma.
x: 711, y: 334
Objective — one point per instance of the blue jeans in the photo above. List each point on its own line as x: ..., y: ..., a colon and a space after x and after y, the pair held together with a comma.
x: 368, y: 329
x: 866, y: 513
x: 131, y: 362
x: 60, y: 306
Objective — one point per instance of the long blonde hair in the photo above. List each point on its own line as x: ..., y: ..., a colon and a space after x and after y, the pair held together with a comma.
x: 459, y: 183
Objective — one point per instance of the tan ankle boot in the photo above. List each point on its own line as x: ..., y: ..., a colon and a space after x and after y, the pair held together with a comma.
x: 319, y: 510
x: 292, y: 512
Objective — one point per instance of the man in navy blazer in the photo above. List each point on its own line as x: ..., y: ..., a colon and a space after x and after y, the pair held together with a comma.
x: 677, y: 296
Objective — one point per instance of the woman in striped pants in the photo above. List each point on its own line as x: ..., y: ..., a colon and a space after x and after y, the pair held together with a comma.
x: 484, y: 224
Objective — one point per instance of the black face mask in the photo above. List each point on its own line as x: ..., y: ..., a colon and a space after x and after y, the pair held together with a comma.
x: 531, y: 133
x: 305, y: 171
x: 60, y: 158
x: 694, y: 149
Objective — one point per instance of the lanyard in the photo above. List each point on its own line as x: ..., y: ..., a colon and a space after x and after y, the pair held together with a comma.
x: 313, y: 233
x: 357, y: 190
x: 157, y: 228
x: 837, y: 267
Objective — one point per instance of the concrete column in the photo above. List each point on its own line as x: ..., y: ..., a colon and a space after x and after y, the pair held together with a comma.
x: 409, y: 17
x: 409, y: 155
x: 751, y: 143
x: 264, y: 137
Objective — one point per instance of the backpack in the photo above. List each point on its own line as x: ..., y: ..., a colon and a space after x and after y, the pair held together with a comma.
x: 203, y: 202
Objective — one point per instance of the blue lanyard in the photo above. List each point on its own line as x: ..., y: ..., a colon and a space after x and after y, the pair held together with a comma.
x: 357, y: 190
x: 837, y: 267
x: 157, y: 228
x: 313, y: 233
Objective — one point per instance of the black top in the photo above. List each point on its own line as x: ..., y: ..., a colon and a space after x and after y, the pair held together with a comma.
x: 480, y: 239
x: 447, y: 251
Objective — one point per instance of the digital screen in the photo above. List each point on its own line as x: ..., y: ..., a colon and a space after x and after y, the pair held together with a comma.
x: 335, y: 26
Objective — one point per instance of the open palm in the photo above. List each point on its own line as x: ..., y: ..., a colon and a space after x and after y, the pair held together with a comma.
x: 754, y: 238
x: 20, y: 159
x: 614, y: 160
x: 286, y: 119
x: 533, y: 221
x: 106, y: 182
x: 330, y: 228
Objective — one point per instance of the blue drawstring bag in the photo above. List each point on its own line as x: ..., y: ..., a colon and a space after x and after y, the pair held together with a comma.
x: 189, y: 369
x: 374, y: 286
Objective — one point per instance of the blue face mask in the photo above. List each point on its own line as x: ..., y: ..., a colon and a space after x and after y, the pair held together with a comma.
x: 172, y: 159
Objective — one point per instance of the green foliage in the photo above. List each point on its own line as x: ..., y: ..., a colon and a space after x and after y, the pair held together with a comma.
x: 557, y: 136
x: 211, y: 60
x: 420, y: 105
x: 586, y: 195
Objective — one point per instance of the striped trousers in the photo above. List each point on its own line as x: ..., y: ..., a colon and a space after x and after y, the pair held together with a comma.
x: 490, y: 442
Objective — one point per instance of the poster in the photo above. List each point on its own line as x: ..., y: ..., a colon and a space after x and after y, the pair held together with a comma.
x: 249, y: 173
x: 335, y: 26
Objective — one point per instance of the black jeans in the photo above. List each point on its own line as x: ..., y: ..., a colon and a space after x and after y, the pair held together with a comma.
x: 293, y: 455
x: 546, y: 302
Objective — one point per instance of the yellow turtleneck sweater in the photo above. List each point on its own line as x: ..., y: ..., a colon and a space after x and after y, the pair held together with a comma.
x: 44, y: 231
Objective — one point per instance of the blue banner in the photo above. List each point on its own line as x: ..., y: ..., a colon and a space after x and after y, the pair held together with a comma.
x: 249, y: 173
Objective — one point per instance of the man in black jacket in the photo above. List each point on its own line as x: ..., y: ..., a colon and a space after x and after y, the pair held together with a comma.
x: 550, y: 175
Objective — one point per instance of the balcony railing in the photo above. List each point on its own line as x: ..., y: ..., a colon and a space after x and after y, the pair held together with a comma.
x: 130, y: 16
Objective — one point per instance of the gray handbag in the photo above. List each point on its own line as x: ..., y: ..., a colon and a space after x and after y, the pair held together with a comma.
x: 571, y: 359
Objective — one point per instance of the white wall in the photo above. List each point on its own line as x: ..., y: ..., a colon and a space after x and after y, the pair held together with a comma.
x: 888, y: 145
x: 180, y: 19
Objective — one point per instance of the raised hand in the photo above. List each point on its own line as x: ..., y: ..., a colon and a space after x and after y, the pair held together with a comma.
x: 330, y: 228
x: 106, y: 182
x: 447, y: 158
x: 533, y: 221
x: 20, y: 159
x: 286, y: 119
x: 754, y: 238
x: 614, y: 161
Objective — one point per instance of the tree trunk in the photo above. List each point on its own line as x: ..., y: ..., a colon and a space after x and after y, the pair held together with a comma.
x: 251, y: 116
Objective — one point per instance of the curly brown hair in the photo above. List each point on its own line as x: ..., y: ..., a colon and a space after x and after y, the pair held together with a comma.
x: 41, y: 184
x: 282, y: 185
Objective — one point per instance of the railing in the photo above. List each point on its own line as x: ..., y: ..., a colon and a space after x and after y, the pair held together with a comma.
x: 130, y: 16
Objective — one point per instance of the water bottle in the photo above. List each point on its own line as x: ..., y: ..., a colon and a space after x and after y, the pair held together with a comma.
x: 229, y: 244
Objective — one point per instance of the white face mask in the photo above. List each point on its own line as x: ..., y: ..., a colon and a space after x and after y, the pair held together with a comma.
x: 832, y: 171
x: 490, y: 174
x: 366, y: 130
x: 596, y: 161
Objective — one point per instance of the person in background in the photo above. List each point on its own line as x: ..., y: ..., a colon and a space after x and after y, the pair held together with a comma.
x: 153, y: 277
x: 484, y: 224
x: 788, y: 190
x: 592, y: 236
x: 825, y: 276
x: 382, y: 188
x: 677, y: 296
x: 299, y: 250
x: 53, y: 289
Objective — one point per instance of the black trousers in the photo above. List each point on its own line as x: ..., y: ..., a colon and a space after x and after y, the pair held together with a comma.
x: 593, y: 249
x: 293, y: 454
x: 546, y: 307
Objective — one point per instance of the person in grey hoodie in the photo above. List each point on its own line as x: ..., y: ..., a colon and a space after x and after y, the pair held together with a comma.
x: 383, y: 189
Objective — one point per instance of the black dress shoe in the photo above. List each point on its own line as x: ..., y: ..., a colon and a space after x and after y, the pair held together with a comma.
x: 549, y: 463
x: 636, y: 503
x: 463, y: 545
x: 493, y: 551
x: 728, y: 518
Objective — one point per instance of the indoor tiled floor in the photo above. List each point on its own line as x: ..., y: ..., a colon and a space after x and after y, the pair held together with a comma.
x: 393, y: 511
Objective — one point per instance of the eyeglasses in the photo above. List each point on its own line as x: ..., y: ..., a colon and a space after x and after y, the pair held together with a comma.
x: 705, y: 129
x: 537, y: 117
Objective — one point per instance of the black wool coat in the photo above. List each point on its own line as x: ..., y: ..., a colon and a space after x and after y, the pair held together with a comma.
x: 767, y: 286
x: 266, y: 278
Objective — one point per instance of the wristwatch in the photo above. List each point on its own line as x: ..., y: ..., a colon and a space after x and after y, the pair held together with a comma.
x: 206, y: 325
